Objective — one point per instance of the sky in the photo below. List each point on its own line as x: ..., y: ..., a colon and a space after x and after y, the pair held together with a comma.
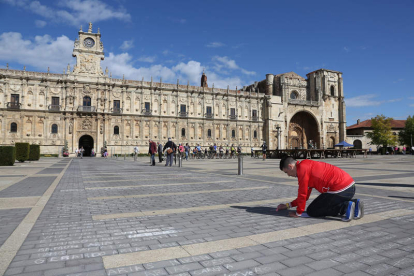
x: 235, y: 42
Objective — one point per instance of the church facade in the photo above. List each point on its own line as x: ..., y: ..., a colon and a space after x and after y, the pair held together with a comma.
x: 86, y: 107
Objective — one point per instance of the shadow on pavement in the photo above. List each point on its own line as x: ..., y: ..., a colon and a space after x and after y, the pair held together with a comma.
x: 263, y: 210
x: 406, y: 197
x: 386, y: 185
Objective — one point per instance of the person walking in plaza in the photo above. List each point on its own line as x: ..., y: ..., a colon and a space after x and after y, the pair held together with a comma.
x: 170, y: 147
x: 337, y: 190
x: 152, y: 151
x: 159, y: 152
x: 264, y: 149
x: 77, y: 152
x: 136, y: 151
x: 252, y: 152
x: 187, y: 151
x: 81, y: 152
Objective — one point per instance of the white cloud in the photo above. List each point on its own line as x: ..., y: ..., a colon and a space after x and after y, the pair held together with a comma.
x: 122, y: 64
x: 44, y: 51
x: 215, y: 45
x: 411, y: 98
x: 367, y: 100
x: 221, y: 63
x: 149, y: 59
x: 73, y: 12
x: 346, y: 49
x: 40, y: 23
x: 127, y: 44
x: 398, y: 80
x: 40, y: 53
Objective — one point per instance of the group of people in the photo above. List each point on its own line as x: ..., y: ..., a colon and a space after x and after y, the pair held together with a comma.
x: 171, y: 150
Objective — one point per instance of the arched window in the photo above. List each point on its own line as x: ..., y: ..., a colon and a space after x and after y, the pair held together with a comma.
x: 54, y: 128
x: 209, y: 133
x: 332, y: 90
x: 294, y: 95
x: 183, y: 132
x: 255, y: 134
x: 233, y: 133
x: 13, y: 127
x: 116, y: 130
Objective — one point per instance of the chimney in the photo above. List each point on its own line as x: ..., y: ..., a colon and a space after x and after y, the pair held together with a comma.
x: 358, y: 121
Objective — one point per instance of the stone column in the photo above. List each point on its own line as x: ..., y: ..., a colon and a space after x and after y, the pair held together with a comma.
x: 269, y: 84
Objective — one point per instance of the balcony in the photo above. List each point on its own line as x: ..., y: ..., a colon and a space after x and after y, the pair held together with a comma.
x: 54, y: 108
x: 255, y: 118
x: 146, y: 112
x: 84, y: 108
x: 14, y: 105
x: 209, y: 115
x: 183, y: 114
x: 303, y: 102
x: 116, y: 110
x: 233, y: 116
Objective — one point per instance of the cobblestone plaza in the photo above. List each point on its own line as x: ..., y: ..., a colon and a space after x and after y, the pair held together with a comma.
x: 96, y: 216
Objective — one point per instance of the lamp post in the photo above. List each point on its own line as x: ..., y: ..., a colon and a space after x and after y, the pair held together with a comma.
x: 278, y: 136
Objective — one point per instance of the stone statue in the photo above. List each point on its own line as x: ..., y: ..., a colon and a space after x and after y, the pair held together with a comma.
x: 70, y: 128
x: 90, y: 27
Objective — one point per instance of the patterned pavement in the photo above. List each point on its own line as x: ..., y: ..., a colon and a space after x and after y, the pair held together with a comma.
x: 120, y: 217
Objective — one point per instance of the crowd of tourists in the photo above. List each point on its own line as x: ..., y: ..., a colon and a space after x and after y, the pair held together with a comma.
x: 171, y: 151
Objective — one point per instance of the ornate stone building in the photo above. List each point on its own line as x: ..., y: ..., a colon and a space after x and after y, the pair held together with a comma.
x: 87, y: 107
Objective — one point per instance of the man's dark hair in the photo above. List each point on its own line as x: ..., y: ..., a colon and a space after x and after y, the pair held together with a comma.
x: 285, y: 161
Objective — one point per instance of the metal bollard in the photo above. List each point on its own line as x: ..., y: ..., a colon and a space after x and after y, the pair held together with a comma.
x: 240, y: 162
x: 180, y: 162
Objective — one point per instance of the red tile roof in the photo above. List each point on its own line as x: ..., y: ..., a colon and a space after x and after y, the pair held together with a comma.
x: 367, y: 124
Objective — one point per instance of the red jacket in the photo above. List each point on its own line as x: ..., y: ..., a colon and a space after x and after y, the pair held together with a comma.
x: 153, y: 148
x: 324, y: 177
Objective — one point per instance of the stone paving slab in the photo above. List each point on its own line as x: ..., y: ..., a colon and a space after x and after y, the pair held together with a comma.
x: 51, y: 171
x: 31, y: 186
x: 67, y: 240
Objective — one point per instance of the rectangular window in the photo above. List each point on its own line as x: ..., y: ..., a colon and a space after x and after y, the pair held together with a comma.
x: 147, y: 107
x: 117, y: 104
x: 15, y: 99
x: 55, y: 101
x: 254, y: 113
x: 232, y: 111
x: 183, y: 108
x: 208, y: 110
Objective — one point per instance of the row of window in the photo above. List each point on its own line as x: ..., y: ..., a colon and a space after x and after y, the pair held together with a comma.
x: 13, y: 128
x: 233, y: 132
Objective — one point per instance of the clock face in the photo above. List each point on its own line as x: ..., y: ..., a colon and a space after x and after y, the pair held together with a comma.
x: 88, y: 42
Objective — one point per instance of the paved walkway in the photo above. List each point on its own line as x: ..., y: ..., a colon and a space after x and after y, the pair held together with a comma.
x: 94, y: 216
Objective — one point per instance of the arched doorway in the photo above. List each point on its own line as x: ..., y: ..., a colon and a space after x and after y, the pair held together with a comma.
x: 357, y: 144
x: 303, y: 131
x: 86, y: 141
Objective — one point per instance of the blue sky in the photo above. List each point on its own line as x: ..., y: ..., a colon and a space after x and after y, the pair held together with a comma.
x: 237, y: 42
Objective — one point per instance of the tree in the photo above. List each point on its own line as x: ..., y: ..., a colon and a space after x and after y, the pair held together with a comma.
x: 381, y: 134
x: 406, y: 134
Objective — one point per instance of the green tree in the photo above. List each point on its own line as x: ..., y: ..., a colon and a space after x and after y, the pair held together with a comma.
x: 381, y: 134
x: 408, y: 132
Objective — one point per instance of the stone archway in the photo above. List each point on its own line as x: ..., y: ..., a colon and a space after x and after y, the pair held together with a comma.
x: 357, y: 144
x: 86, y: 141
x: 303, y: 130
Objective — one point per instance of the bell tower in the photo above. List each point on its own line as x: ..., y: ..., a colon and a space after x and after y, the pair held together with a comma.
x: 88, y: 50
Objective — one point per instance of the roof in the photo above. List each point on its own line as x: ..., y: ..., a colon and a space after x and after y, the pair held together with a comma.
x: 367, y: 124
x: 291, y: 75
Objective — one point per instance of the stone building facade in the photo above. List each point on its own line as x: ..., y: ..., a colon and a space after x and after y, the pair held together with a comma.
x: 357, y: 133
x: 87, y: 107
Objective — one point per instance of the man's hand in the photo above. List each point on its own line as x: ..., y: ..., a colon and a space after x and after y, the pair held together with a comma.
x: 292, y: 214
x: 281, y: 207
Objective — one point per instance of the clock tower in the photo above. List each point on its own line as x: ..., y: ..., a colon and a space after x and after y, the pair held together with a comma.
x: 88, y: 50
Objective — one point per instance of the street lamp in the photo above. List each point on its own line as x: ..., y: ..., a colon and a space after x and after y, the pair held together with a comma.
x: 278, y: 136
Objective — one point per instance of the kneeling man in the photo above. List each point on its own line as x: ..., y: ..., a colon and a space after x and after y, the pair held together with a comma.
x: 337, y: 189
